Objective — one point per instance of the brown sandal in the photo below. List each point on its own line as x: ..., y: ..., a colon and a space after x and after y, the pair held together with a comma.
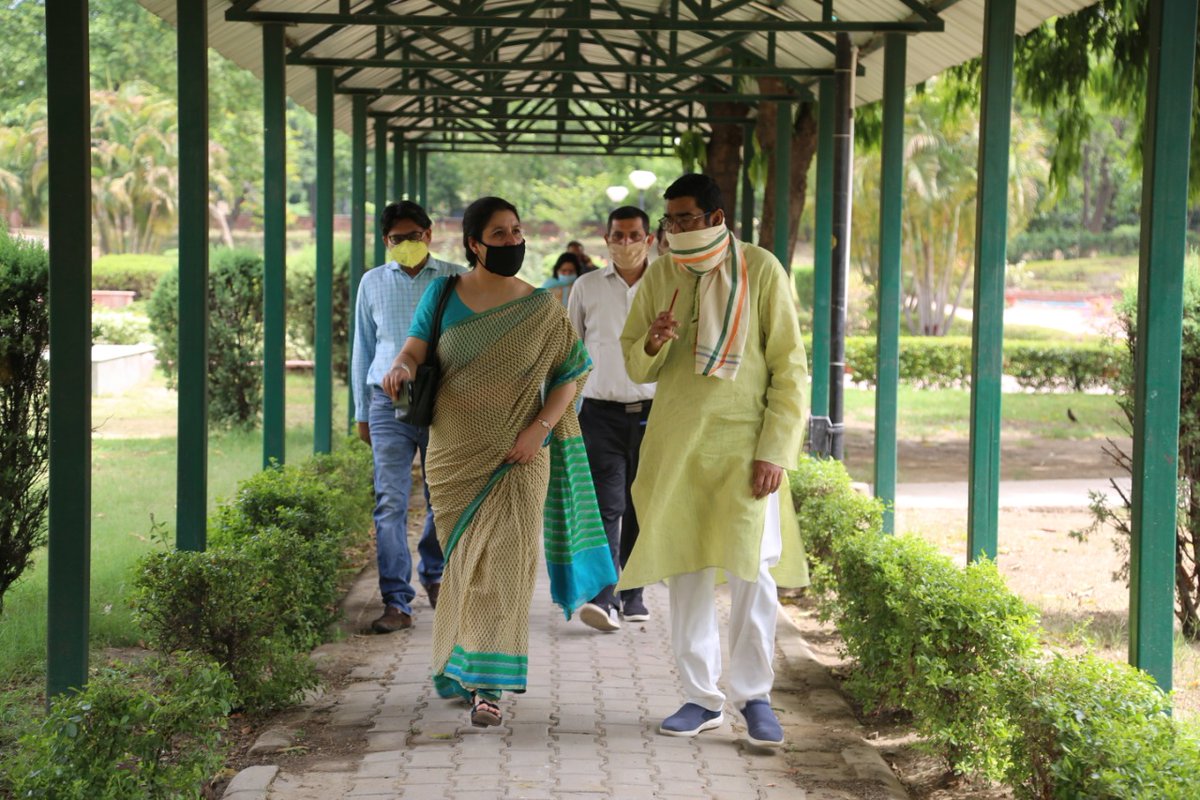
x: 484, y: 713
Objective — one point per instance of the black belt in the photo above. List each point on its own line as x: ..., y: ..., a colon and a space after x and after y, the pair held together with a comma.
x: 627, y: 408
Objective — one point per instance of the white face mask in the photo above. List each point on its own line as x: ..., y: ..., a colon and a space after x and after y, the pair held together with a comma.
x: 629, y: 255
x: 702, y: 250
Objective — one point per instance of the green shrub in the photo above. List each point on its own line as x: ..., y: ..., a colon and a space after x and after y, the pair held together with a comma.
x: 1073, y: 366
x: 234, y: 339
x: 959, y: 651
x: 120, y: 327
x: 934, y: 362
x: 220, y: 603
x: 934, y: 639
x: 349, y: 471
x: 1089, y: 728
x: 131, y: 272
x: 803, y: 278
x: 942, y: 362
x: 281, y: 497
x: 302, y: 305
x: 829, y: 510
x: 24, y: 404
x: 150, y: 731
x: 299, y: 581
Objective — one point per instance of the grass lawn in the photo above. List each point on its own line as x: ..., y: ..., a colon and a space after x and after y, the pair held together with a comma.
x: 133, y: 489
x: 926, y: 414
x: 1102, y: 274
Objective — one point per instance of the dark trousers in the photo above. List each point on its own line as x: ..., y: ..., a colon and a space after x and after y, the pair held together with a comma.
x: 612, y: 434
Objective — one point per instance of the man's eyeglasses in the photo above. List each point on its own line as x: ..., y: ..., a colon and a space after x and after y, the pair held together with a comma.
x: 396, y: 238
x: 679, y: 222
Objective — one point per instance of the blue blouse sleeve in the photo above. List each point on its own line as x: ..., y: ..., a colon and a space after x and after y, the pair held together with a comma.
x: 422, y: 322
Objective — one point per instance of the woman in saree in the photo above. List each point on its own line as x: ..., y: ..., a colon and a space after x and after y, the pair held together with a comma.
x: 506, y: 465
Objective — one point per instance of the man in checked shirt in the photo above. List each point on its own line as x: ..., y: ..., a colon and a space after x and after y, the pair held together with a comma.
x: 387, y: 297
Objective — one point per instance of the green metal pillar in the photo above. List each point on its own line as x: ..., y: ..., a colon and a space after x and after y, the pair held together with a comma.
x: 1172, y: 29
x: 423, y: 179
x: 822, y: 256
x: 398, y: 191
x: 381, y: 182
x: 891, y: 203
x: 358, y: 232
x: 191, y: 492
x: 991, y: 234
x: 783, y: 184
x: 747, y: 229
x: 69, y: 144
x: 274, y: 242
x: 413, y: 168
x: 323, y: 370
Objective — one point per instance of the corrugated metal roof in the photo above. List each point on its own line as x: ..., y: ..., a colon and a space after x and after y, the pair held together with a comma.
x: 934, y: 52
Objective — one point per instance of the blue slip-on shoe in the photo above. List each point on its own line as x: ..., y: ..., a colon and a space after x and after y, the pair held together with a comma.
x: 691, y: 719
x: 762, y: 726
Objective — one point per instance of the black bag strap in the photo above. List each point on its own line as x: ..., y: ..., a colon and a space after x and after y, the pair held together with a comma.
x: 437, y: 317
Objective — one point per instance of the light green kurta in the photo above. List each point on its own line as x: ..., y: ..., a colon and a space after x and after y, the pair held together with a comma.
x: 693, y: 493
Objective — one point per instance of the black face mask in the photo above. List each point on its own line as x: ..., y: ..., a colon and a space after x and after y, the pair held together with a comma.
x: 505, y: 260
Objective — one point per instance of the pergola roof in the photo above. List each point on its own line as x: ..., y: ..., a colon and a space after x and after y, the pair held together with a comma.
x: 618, y: 71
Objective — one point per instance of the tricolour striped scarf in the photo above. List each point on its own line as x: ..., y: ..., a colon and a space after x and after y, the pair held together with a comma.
x: 716, y: 258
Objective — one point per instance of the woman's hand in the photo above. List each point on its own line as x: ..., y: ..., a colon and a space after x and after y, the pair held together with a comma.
x: 529, y: 442
x: 393, y: 382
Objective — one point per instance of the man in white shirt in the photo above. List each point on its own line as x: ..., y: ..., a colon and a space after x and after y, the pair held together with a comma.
x: 615, y: 408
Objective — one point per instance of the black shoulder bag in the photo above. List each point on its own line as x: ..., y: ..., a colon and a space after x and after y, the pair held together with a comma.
x: 422, y: 389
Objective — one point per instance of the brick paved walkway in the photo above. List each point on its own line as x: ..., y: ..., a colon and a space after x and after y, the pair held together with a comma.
x: 587, y: 727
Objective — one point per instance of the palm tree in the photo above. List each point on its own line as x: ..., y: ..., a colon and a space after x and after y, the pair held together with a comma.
x: 938, y: 227
x: 134, y: 177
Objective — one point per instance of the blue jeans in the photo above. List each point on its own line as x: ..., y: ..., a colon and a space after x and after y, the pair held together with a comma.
x: 394, y: 445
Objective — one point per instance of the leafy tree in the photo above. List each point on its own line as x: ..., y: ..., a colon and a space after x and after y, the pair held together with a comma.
x: 1080, y: 69
x: 1187, y: 527
x: 25, y: 166
x: 24, y: 404
x: 134, y: 174
x: 940, y: 185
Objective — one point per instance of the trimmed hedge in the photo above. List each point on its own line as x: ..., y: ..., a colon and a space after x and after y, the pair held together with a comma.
x: 957, y: 649
x: 136, y: 272
x: 941, y: 362
x: 235, y: 310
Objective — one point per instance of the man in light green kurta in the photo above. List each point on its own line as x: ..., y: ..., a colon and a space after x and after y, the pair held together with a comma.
x: 715, y: 325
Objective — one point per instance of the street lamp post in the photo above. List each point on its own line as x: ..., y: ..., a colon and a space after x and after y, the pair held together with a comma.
x: 617, y: 193
x: 642, y: 179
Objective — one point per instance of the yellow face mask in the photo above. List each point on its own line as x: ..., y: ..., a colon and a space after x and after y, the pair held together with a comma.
x: 409, y: 254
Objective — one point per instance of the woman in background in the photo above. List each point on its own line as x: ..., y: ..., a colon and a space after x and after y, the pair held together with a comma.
x: 566, y: 269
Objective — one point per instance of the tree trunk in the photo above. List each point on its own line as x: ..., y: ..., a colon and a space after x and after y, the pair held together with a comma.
x: 804, y: 147
x: 1104, y: 195
x: 725, y: 155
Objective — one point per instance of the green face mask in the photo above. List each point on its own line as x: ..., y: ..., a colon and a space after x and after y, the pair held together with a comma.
x: 409, y: 254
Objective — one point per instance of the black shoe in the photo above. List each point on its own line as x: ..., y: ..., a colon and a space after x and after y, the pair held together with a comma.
x: 634, y: 610
x: 432, y: 591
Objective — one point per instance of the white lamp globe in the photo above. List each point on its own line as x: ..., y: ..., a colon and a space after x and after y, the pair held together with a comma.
x: 642, y: 179
x: 617, y: 193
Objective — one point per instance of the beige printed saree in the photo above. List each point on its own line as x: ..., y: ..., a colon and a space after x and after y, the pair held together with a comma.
x: 497, y: 368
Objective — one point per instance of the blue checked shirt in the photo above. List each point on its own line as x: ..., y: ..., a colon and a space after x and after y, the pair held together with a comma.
x: 387, y: 299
